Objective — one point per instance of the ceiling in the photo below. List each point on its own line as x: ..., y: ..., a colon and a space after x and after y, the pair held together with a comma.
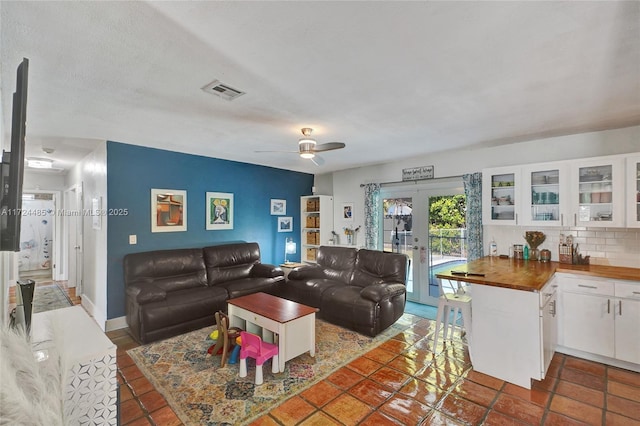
x: 392, y: 80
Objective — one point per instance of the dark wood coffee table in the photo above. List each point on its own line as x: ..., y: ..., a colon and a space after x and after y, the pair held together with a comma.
x: 293, y: 324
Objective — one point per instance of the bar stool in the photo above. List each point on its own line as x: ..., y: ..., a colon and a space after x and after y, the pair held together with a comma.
x: 457, y: 301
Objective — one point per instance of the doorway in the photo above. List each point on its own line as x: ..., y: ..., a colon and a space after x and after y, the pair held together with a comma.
x: 73, y: 236
x: 427, y: 223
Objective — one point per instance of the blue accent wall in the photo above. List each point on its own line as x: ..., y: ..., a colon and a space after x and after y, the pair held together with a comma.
x: 132, y: 171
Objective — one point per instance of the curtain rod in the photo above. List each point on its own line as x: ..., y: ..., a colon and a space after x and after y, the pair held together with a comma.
x: 415, y: 181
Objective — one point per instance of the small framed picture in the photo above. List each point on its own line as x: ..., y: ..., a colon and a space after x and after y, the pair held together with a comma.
x: 278, y: 207
x: 285, y: 224
x: 347, y: 212
x: 168, y: 210
x: 220, y: 209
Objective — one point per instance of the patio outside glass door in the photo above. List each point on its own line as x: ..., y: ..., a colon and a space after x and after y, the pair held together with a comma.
x: 408, y: 229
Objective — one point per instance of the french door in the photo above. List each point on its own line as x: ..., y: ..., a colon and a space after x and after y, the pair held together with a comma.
x: 406, y: 229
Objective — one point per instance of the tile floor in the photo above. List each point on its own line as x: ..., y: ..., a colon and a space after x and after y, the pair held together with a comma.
x: 402, y: 382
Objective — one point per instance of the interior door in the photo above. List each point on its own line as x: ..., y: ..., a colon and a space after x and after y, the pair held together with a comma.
x: 73, y: 225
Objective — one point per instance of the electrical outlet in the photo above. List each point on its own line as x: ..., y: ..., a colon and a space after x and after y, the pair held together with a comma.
x: 133, y: 239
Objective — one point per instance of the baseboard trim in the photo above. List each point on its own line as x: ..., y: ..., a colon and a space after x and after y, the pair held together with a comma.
x: 116, y: 323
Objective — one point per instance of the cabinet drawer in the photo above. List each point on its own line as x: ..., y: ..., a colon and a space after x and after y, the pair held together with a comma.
x: 587, y: 286
x: 628, y: 290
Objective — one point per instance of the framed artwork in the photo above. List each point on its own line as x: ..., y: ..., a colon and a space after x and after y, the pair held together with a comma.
x: 220, y: 208
x: 347, y: 212
x: 285, y: 224
x: 278, y: 207
x: 168, y: 210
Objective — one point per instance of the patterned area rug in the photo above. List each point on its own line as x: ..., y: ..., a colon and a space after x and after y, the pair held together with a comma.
x: 48, y: 298
x: 202, y: 393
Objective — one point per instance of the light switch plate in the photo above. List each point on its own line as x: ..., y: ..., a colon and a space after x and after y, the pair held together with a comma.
x: 133, y: 239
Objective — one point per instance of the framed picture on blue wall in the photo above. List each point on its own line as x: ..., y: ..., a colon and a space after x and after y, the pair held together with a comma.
x: 168, y: 210
x: 278, y: 207
x: 285, y: 224
x: 220, y: 208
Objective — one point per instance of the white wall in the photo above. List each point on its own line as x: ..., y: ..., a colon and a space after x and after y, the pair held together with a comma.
x: 623, y: 245
x: 91, y: 172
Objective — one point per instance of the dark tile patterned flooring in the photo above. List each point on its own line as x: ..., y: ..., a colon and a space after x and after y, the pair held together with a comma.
x: 402, y: 382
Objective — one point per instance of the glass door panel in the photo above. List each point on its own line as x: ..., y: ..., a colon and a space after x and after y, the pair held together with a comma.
x: 596, y: 193
x: 503, y: 197
x: 397, y: 231
x: 545, y: 196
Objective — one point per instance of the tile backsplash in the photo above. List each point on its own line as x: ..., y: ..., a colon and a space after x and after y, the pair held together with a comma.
x: 606, y: 246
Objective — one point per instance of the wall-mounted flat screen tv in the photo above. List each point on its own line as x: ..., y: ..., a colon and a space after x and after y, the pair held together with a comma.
x: 12, y: 167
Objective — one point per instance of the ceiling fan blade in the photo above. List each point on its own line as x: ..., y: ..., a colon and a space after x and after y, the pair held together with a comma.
x: 292, y: 152
x: 317, y: 160
x: 328, y: 146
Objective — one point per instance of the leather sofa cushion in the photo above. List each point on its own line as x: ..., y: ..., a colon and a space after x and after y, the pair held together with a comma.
x: 230, y: 262
x: 337, y: 262
x: 375, y: 266
x: 168, y: 270
x: 246, y: 286
x: 178, y: 305
x: 344, y: 303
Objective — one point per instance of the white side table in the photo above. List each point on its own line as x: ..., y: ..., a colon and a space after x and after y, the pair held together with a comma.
x: 91, y: 386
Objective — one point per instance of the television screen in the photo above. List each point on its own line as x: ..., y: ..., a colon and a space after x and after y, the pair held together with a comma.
x: 12, y: 168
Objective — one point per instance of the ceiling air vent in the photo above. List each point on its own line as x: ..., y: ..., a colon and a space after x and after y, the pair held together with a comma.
x: 220, y: 89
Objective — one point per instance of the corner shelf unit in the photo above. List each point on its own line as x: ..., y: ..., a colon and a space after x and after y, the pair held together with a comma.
x: 316, y: 218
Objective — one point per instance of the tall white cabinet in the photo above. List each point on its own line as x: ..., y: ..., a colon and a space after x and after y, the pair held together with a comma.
x: 316, y: 216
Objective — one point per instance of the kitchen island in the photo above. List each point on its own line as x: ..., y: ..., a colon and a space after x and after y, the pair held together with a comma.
x: 515, y: 321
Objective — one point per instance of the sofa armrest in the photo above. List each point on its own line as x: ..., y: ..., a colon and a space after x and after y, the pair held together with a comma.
x: 306, y: 272
x: 145, y: 292
x: 266, y: 270
x: 380, y: 290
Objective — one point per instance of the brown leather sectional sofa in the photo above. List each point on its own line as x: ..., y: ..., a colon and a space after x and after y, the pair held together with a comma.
x: 364, y: 290
x: 170, y: 292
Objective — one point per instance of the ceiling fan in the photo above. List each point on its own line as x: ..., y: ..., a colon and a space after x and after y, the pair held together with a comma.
x: 308, y: 147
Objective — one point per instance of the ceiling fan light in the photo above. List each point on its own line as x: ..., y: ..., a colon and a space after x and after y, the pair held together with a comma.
x: 307, y: 141
x: 307, y: 154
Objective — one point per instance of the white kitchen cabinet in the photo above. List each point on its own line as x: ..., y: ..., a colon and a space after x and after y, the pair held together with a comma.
x: 522, y: 324
x: 627, y: 321
x: 316, y: 215
x: 545, y: 194
x: 501, y: 196
x: 632, y: 198
x: 597, y: 192
x: 600, y: 316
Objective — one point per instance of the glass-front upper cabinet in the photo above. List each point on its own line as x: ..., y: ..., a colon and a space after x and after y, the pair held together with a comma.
x: 500, y: 191
x: 545, y: 195
x: 598, y: 192
x: 633, y: 191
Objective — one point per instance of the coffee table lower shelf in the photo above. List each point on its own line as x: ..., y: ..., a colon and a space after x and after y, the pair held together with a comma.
x: 292, y: 326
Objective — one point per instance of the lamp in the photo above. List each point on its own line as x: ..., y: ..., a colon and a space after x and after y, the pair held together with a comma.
x: 289, y: 248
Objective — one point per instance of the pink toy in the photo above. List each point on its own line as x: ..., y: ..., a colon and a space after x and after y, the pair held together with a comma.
x: 254, y: 347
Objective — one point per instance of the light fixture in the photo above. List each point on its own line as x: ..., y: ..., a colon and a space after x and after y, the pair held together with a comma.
x: 306, y: 144
x: 289, y: 248
x: 39, y: 163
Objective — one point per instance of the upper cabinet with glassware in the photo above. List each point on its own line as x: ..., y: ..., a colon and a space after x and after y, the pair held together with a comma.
x: 501, y: 195
x: 587, y: 192
x: 545, y: 194
x: 633, y: 191
x: 597, y: 191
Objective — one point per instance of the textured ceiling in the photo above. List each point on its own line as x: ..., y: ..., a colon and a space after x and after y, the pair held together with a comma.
x: 392, y: 80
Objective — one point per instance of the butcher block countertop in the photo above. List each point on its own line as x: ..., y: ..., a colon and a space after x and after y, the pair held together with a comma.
x: 530, y: 275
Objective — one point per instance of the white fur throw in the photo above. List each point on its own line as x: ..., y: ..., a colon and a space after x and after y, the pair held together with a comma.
x: 30, y: 391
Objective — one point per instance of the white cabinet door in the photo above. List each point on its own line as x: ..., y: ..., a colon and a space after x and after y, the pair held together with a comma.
x: 633, y: 191
x: 627, y: 314
x: 587, y: 323
x: 597, y: 192
x: 549, y: 328
x: 545, y: 198
x: 501, y: 196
